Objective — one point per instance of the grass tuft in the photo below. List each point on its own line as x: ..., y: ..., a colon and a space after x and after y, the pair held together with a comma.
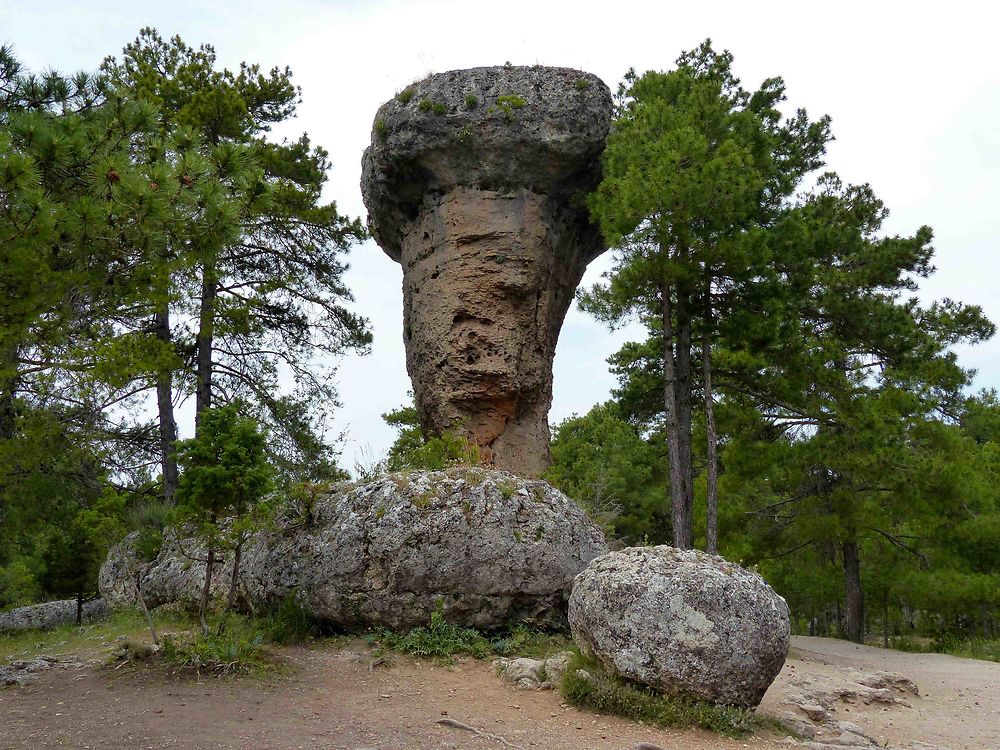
x: 604, y: 693
x: 290, y: 623
x: 235, y: 647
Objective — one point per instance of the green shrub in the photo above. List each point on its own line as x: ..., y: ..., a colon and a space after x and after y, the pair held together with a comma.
x: 405, y: 95
x: 582, y: 84
x: 608, y: 694
x: 442, y: 639
x: 509, y: 104
x: 439, y: 108
x: 235, y: 647
x: 471, y: 101
x: 439, y: 639
x: 18, y: 585
x: 425, y: 105
x: 290, y: 623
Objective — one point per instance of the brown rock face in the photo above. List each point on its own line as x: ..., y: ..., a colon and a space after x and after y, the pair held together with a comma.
x: 474, y: 182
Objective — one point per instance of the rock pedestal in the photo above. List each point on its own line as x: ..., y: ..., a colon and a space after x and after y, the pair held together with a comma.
x: 683, y: 622
x: 475, y: 182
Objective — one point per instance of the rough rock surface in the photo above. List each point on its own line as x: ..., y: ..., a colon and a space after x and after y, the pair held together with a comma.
x: 491, y: 548
x: 26, y: 671
x: 816, y: 705
x: 474, y: 182
x: 50, y: 615
x: 534, y: 674
x: 683, y: 622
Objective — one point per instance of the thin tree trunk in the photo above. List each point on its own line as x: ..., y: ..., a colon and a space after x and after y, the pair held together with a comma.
x: 682, y: 388
x: 885, y: 617
x: 8, y: 384
x: 673, y: 433
x: 79, y: 608
x: 165, y: 407
x: 136, y: 579
x: 234, y: 581
x: 145, y: 611
x: 711, y: 452
x: 206, y: 591
x: 854, y: 599
x: 205, y: 339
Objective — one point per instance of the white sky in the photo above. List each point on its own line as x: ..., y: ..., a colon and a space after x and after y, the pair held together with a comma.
x: 913, y: 89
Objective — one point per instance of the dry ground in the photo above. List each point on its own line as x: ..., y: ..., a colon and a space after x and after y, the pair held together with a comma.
x: 332, y: 699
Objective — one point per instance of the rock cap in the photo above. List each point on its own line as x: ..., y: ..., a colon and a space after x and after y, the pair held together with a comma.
x: 493, y: 128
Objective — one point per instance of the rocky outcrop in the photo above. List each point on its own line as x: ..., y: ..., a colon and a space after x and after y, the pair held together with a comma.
x: 682, y: 622
x: 25, y: 671
x: 490, y: 548
x: 50, y: 615
x: 475, y: 182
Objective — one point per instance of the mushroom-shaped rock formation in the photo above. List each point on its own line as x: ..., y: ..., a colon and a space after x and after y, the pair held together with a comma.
x: 475, y: 182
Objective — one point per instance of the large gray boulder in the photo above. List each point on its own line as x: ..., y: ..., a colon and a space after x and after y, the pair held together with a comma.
x: 682, y: 622
x: 50, y: 615
x: 490, y: 548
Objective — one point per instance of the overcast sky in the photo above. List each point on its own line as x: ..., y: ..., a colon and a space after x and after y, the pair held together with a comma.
x: 913, y: 90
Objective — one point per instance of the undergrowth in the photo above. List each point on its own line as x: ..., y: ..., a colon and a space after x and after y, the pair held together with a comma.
x: 236, y: 646
x: 969, y: 647
x: 67, y: 639
x: 444, y: 640
x: 604, y: 693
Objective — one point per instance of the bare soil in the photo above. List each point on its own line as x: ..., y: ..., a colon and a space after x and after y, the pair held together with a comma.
x: 332, y: 696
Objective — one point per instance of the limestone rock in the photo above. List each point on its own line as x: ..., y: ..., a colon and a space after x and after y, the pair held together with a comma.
x: 490, y: 548
x: 682, y: 622
x: 474, y: 182
x: 534, y: 674
x: 50, y: 615
x: 26, y: 671
x: 522, y: 673
x: 890, y: 681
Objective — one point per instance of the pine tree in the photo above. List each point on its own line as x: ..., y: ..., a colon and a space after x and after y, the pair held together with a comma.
x: 271, y: 297
x: 694, y: 161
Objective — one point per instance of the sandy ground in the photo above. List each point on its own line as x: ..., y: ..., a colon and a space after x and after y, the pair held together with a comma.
x: 332, y: 698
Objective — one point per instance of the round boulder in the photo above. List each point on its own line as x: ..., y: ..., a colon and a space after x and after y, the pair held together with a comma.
x: 489, y: 548
x: 682, y: 622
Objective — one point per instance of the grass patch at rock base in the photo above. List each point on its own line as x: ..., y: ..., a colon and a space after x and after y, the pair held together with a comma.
x: 443, y: 640
x: 236, y: 646
x: 601, y: 692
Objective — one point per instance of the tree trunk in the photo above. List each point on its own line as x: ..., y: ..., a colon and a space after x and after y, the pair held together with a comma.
x: 165, y: 407
x: 673, y: 432
x: 237, y: 553
x: 205, y: 339
x: 8, y: 384
x: 79, y: 608
x: 711, y: 452
x: 206, y: 592
x: 854, y: 599
x: 885, y: 617
x: 136, y: 579
x: 682, y: 387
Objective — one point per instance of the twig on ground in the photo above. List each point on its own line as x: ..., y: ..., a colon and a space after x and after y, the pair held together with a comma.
x: 495, y: 737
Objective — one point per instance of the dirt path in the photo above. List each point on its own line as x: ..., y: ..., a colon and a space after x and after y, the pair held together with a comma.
x: 958, y: 706
x: 333, y: 700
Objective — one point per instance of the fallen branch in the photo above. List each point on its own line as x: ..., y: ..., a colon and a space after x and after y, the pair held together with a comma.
x: 465, y: 727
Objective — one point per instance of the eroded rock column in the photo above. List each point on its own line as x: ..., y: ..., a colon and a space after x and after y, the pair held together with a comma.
x: 475, y: 182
